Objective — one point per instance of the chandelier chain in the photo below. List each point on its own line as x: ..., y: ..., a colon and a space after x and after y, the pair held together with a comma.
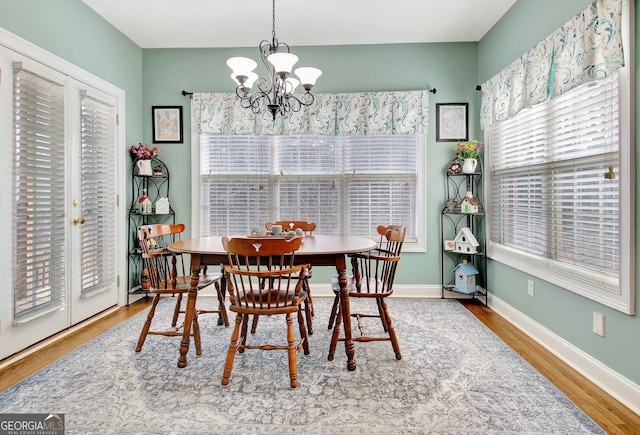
x: 273, y: 22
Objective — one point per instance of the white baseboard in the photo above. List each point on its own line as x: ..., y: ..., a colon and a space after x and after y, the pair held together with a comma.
x: 323, y: 290
x: 618, y: 386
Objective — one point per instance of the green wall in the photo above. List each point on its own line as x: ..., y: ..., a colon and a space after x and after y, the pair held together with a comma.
x: 448, y: 67
x: 564, y: 313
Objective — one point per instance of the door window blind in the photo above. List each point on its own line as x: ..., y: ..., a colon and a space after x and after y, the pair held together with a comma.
x: 550, y: 200
x: 98, y: 192
x: 40, y: 232
x: 347, y: 185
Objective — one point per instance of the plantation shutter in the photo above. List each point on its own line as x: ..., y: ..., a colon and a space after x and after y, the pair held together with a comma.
x: 98, y: 192
x: 549, y: 195
x: 235, y: 186
x: 310, y: 187
x: 380, y: 182
x: 347, y: 185
x: 40, y: 242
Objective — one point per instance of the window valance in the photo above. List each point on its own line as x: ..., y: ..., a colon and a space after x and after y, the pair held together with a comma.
x: 585, y: 49
x: 367, y: 113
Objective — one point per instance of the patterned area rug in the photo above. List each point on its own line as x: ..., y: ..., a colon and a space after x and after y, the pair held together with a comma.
x: 456, y: 377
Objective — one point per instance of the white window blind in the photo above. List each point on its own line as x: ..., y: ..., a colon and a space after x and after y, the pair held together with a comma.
x: 40, y: 233
x: 550, y: 203
x: 346, y: 184
x: 98, y: 192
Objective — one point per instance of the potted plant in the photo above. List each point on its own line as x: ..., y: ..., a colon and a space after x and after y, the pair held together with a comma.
x: 144, y: 153
x: 469, y: 152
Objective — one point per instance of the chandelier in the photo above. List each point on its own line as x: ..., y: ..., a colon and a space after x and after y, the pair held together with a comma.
x: 277, y: 90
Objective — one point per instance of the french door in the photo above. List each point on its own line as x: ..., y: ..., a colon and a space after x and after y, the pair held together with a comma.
x: 59, y: 226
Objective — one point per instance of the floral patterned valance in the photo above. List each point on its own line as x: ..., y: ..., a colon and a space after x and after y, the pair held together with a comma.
x: 586, y: 48
x: 367, y: 113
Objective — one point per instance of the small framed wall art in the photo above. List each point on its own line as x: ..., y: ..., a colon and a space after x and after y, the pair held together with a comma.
x: 452, y: 122
x: 167, y: 124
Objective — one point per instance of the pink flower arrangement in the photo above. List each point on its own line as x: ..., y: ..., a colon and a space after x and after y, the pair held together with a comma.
x: 144, y: 151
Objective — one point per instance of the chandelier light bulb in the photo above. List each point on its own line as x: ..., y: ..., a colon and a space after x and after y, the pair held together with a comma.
x: 282, y: 62
x: 245, y: 81
x: 308, y: 76
x: 291, y: 83
x: 241, y: 66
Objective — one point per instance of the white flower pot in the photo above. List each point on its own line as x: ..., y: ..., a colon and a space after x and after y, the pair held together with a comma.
x: 469, y: 166
x: 144, y: 167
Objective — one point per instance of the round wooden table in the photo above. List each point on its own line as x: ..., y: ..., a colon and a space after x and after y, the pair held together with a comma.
x: 316, y: 249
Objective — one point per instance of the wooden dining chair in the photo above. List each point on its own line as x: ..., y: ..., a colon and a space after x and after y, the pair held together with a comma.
x: 261, y: 281
x: 307, y: 228
x: 373, y: 276
x: 167, y: 277
x: 385, y: 247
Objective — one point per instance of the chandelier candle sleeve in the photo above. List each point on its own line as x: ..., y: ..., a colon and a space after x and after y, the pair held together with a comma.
x: 276, y: 91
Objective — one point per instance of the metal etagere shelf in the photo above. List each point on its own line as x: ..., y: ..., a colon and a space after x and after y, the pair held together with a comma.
x: 156, y: 187
x: 453, y: 218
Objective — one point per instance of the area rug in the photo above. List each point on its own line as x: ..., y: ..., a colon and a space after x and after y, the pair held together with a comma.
x: 455, y: 377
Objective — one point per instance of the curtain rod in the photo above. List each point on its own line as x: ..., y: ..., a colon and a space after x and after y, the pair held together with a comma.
x: 190, y: 94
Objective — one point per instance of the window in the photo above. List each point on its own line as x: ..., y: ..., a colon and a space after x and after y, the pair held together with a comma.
x: 554, y: 209
x: 346, y: 184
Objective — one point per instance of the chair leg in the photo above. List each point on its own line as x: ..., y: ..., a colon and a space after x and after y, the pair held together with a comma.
x: 307, y: 287
x: 196, y: 334
x: 231, y: 353
x: 303, y: 332
x: 381, y: 314
x: 391, y: 330
x: 254, y: 323
x: 147, y: 323
x: 223, y: 319
x: 308, y: 315
x: 334, y: 336
x: 292, y: 352
x: 334, y: 311
x: 245, y: 321
x: 176, y: 310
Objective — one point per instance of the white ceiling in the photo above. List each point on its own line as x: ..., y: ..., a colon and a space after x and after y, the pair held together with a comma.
x: 244, y: 23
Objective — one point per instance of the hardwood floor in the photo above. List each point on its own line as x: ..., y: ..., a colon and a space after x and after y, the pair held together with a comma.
x: 610, y: 414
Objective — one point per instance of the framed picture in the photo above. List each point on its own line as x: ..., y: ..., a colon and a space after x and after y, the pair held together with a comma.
x: 452, y: 122
x: 167, y: 124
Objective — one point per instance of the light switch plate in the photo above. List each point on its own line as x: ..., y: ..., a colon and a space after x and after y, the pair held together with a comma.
x: 598, y: 323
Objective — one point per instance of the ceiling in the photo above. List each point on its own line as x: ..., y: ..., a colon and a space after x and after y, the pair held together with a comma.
x: 234, y: 23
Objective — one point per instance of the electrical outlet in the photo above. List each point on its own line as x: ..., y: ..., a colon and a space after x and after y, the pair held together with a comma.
x: 598, y: 323
x: 530, y: 288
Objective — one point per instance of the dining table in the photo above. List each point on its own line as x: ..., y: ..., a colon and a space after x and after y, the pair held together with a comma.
x: 316, y: 249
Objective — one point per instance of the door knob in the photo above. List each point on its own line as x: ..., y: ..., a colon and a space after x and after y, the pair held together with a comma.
x: 78, y: 221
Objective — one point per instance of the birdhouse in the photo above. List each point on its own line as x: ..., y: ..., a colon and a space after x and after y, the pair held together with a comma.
x: 469, y: 204
x: 144, y: 203
x: 465, y: 274
x: 465, y: 242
